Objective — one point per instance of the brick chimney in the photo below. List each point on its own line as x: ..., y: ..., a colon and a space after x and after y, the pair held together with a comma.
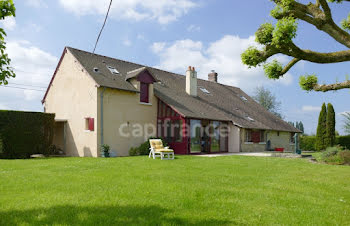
x: 191, y: 81
x: 213, y: 76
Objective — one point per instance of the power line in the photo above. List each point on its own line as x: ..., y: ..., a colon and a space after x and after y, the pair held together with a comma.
x: 29, y: 72
x: 104, y: 23
x: 12, y: 83
x: 15, y: 87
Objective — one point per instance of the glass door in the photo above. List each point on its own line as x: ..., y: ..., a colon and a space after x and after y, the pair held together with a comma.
x: 215, y: 136
x: 205, y: 139
x: 195, y: 135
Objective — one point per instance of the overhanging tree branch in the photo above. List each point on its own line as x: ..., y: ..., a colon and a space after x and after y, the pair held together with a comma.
x: 330, y: 87
x: 277, y: 39
x: 289, y: 65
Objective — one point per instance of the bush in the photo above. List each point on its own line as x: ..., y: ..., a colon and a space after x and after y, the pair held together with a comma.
x: 143, y: 149
x: 25, y: 133
x: 335, y: 155
x: 134, y: 152
x: 345, y: 156
x: 307, y: 143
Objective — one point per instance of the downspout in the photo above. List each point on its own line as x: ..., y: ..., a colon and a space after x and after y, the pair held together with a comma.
x: 101, y: 122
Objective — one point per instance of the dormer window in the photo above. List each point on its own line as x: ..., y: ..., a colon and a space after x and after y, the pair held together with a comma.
x: 243, y: 98
x: 145, y: 78
x: 144, y: 92
x: 204, y: 90
x: 113, y: 70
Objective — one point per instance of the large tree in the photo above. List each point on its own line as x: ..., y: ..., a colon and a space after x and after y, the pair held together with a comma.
x: 269, y: 101
x: 347, y: 122
x: 7, y: 8
x: 330, y: 127
x: 278, y: 39
x: 321, y: 129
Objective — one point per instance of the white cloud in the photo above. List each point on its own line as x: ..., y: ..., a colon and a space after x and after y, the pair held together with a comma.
x: 193, y: 28
x: 33, y: 67
x: 223, y: 55
x: 9, y: 23
x: 164, y: 11
x: 157, y: 47
x: 309, y: 108
x: 127, y: 42
x: 37, y: 3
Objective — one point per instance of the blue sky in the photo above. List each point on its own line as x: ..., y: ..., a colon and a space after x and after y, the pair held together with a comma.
x: 169, y: 34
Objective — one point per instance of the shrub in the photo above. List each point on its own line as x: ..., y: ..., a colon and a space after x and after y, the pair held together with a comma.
x: 345, y: 156
x: 331, y: 151
x: 105, y: 148
x: 134, y: 152
x: 331, y: 155
x: 307, y: 143
x: 335, y: 155
x: 143, y: 149
x: 25, y: 133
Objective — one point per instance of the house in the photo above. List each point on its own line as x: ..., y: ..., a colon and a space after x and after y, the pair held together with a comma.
x: 101, y: 100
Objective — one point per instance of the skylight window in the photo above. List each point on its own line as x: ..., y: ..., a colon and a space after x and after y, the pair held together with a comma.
x: 113, y: 70
x: 250, y: 119
x: 204, y: 90
x: 244, y: 98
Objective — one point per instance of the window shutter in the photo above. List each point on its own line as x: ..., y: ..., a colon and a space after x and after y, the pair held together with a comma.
x: 91, y: 124
x: 256, y: 136
x: 144, y: 93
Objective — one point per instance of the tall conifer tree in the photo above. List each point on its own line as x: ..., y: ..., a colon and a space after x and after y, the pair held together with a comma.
x: 321, y: 129
x: 330, y: 127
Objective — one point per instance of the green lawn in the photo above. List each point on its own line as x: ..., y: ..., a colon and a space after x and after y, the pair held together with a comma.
x: 188, y: 190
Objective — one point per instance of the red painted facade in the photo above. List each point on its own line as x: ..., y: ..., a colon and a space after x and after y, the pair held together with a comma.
x: 177, y: 138
x: 175, y: 129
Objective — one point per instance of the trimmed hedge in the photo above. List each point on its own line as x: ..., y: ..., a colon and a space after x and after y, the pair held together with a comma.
x: 307, y: 143
x: 343, y: 141
x: 25, y: 133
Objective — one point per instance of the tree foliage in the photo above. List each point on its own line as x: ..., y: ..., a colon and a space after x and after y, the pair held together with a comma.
x: 300, y: 126
x: 269, y: 101
x: 278, y: 39
x: 321, y: 129
x: 7, y: 8
x: 330, y: 128
x: 347, y: 122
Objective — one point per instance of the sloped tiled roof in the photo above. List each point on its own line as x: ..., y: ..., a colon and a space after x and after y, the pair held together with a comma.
x: 223, y: 103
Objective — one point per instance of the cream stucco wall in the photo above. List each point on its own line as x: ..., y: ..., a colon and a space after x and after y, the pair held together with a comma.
x: 125, y: 119
x: 234, y: 144
x: 277, y: 141
x: 73, y: 96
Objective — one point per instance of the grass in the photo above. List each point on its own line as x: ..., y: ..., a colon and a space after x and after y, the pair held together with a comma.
x: 189, y: 190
